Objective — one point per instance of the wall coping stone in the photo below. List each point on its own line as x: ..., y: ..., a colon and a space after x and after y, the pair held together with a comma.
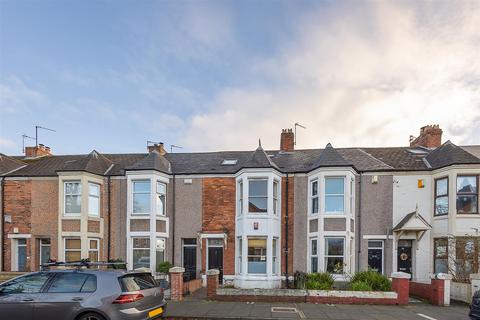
x: 442, y: 276
x: 401, y: 275
x: 262, y: 292
x: 213, y: 272
x: 176, y: 270
x: 354, y: 294
x: 475, y: 276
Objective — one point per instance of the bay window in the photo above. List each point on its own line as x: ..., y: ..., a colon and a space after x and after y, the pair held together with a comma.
x: 334, y: 194
x: 240, y: 197
x: 257, y: 195
x: 93, y: 199
x: 159, y: 251
x: 334, y: 254
x: 257, y: 255
x: 440, y: 248
x: 441, y: 196
x: 313, y: 255
x: 467, y: 194
x: 93, y: 250
x: 73, y: 249
x: 141, y: 197
x: 141, y: 252
x: 314, y: 195
x: 275, y: 197
x: 73, y: 197
x: 161, y: 199
x: 239, y: 257
x: 274, y: 256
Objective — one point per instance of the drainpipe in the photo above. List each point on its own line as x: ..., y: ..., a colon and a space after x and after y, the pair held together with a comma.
x: 286, y: 231
x: 173, y: 222
x: 2, y: 223
x: 109, y: 213
x: 359, y: 221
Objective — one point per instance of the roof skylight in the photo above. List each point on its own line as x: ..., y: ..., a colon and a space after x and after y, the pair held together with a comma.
x: 229, y: 162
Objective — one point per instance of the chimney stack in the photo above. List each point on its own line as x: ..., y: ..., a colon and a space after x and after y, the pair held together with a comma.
x: 430, y: 137
x: 287, y: 140
x: 37, y: 151
x: 157, y: 147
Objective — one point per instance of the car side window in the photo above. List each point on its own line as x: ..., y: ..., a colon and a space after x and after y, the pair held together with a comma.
x: 73, y: 282
x: 28, y: 284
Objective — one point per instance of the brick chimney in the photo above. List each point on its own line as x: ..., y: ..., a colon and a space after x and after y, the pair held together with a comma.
x: 430, y: 137
x: 37, y: 151
x: 287, y: 140
x: 157, y: 147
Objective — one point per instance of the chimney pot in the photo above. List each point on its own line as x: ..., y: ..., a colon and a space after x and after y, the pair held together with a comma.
x: 430, y: 137
x: 157, y: 147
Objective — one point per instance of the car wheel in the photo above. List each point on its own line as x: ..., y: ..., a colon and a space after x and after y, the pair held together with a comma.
x: 91, y: 316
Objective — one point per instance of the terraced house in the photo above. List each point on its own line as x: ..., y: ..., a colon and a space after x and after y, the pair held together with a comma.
x: 257, y: 215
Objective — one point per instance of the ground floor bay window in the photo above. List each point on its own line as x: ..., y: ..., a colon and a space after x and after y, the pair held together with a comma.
x: 143, y: 255
x: 334, y: 254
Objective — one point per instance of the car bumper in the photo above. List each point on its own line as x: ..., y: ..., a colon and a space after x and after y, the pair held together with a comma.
x: 135, y: 314
x: 474, y: 313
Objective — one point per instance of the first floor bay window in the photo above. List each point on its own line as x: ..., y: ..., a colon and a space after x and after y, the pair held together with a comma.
x: 93, y: 199
x: 141, y: 196
x: 141, y: 252
x: 257, y: 195
x: 441, y: 196
x: 73, y: 249
x: 161, y: 199
x: 73, y: 197
x: 467, y: 194
x: 334, y: 254
x: 257, y: 255
x: 334, y: 195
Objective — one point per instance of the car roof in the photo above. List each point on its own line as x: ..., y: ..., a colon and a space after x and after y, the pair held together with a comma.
x: 114, y: 272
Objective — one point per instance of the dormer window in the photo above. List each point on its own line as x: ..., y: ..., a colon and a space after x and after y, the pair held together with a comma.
x: 334, y: 194
x: 257, y: 195
x: 141, y: 197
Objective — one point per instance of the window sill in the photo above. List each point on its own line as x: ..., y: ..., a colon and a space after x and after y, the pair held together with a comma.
x: 468, y: 215
x: 72, y: 215
x: 441, y: 217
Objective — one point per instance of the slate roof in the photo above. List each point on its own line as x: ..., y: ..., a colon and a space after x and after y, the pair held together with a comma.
x: 298, y: 161
x: 8, y: 164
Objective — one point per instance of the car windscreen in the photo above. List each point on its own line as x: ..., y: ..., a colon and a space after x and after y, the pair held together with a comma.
x: 137, y: 281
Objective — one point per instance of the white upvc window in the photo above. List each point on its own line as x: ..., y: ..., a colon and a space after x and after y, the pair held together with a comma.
x: 275, y: 268
x: 352, y: 205
x: 276, y: 208
x: 313, y: 255
x: 140, y: 252
x: 93, y: 199
x: 73, y: 249
x: 334, y: 194
x: 239, y: 255
x: 240, y: 197
x: 334, y: 254
x: 257, y: 255
x: 93, y: 249
x: 161, y: 199
x: 72, y: 198
x: 257, y: 195
x: 314, y: 196
x: 141, y: 196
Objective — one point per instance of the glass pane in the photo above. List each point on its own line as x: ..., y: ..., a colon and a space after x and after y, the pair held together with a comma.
x: 215, y: 242
x: 334, y: 186
x: 467, y: 204
x: 257, y: 204
x: 442, y: 187
x: 315, y: 205
x: 141, y: 186
x: 441, y: 265
x: 93, y: 256
x: 73, y: 204
x: 334, y: 246
x: 161, y: 204
x: 72, y: 256
x: 93, y: 189
x: 275, y: 189
x: 141, y: 203
x: 334, y: 204
x: 314, y: 266
x: 72, y: 188
x: 375, y: 259
x: 141, y: 243
x: 141, y: 258
x: 45, y: 254
x: 73, y: 244
x: 257, y: 188
x: 314, y: 247
x: 28, y: 284
x: 94, y: 205
x: 257, y: 264
x: 314, y: 188
x: 441, y: 205
x: 466, y: 184
x: 45, y: 241
x: 334, y: 264
x: 441, y: 248
x: 161, y: 188
x: 136, y: 282
x: 22, y: 241
x: 90, y: 284
x: 93, y: 244
x: 68, y: 282
x: 375, y: 244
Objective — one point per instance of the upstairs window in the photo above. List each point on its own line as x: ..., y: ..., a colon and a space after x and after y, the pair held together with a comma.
x: 314, y: 196
x: 161, y: 199
x: 73, y: 197
x: 467, y: 194
x: 93, y: 199
x: 275, y: 197
x: 441, y: 196
x: 334, y: 195
x: 257, y: 195
x: 141, y: 196
x: 240, y: 197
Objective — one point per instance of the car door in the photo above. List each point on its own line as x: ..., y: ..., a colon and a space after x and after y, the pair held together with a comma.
x: 18, y: 296
x: 64, y: 295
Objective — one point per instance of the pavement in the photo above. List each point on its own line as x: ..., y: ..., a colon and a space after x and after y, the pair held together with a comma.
x: 196, y: 307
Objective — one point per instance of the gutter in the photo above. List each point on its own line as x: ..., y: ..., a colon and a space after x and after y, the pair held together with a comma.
x: 109, y: 214
x: 2, y: 224
x: 359, y: 222
x: 286, y: 232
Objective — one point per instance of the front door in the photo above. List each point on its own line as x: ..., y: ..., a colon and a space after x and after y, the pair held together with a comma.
x: 215, y: 260
x: 44, y: 255
x: 404, y: 256
x: 190, y: 259
x: 22, y: 254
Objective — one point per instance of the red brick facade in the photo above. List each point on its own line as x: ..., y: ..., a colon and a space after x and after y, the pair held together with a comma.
x: 291, y: 206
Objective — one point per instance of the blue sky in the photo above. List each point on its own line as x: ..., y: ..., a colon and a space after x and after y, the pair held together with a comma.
x: 218, y: 75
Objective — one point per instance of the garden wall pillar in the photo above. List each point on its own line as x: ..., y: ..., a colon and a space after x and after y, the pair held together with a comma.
x: 475, y: 280
x: 176, y: 283
x: 212, y: 282
x: 440, y: 295
x: 401, y: 285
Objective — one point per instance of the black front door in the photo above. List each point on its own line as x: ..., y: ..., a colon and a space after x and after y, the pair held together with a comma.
x: 404, y: 256
x: 189, y: 259
x: 215, y: 260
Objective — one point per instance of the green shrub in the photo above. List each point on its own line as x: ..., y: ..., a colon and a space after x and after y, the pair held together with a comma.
x: 164, y: 267
x: 319, y: 281
x: 361, y: 286
x: 377, y: 281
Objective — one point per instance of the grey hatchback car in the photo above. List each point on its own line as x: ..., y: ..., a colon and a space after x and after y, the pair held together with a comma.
x: 82, y: 294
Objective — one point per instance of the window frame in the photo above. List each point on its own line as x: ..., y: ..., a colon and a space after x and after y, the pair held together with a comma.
x: 312, y: 255
x: 266, y: 179
x: 275, y: 196
x: 142, y: 192
x: 325, y: 195
x: 314, y: 197
x: 94, y: 196
x: 158, y: 197
x: 326, y: 255
x: 435, y: 252
x: 149, y: 248
x: 97, y: 250
x: 65, y: 194
x: 467, y: 194
x: 239, y: 255
x: 435, y: 196
x: 266, y: 255
x: 65, y: 249
x: 41, y: 245
x: 240, y: 197
x: 275, y: 255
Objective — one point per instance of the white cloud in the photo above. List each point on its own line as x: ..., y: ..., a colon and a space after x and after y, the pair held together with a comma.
x: 365, y: 76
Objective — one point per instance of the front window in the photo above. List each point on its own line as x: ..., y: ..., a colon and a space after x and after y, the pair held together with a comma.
x: 161, y: 199
x: 441, y: 197
x: 334, y: 195
x: 239, y: 257
x: 93, y: 250
x: 467, y: 194
x: 141, y: 252
x: 314, y: 192
x: 257, y: 256
x: 274, y: 256
x: 375, y: 255
x: 467, y: 257
x: 313, y: 255
x: 141, y: 196
x: 73, y: 249
x: 93, y: 199
x: 334, y: 254
x: 440, y: 265
x: 275, y: 197
x: 240, y: 197
x: 73, y: 197
x: 257, y: 195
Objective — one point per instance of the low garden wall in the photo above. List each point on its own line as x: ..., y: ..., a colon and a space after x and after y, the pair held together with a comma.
x: 191, y: 286
x: 461, y: 291
x: 437, y: 291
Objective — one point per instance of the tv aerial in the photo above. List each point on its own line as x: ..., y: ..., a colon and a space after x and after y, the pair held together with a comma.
x: 295, y: 136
